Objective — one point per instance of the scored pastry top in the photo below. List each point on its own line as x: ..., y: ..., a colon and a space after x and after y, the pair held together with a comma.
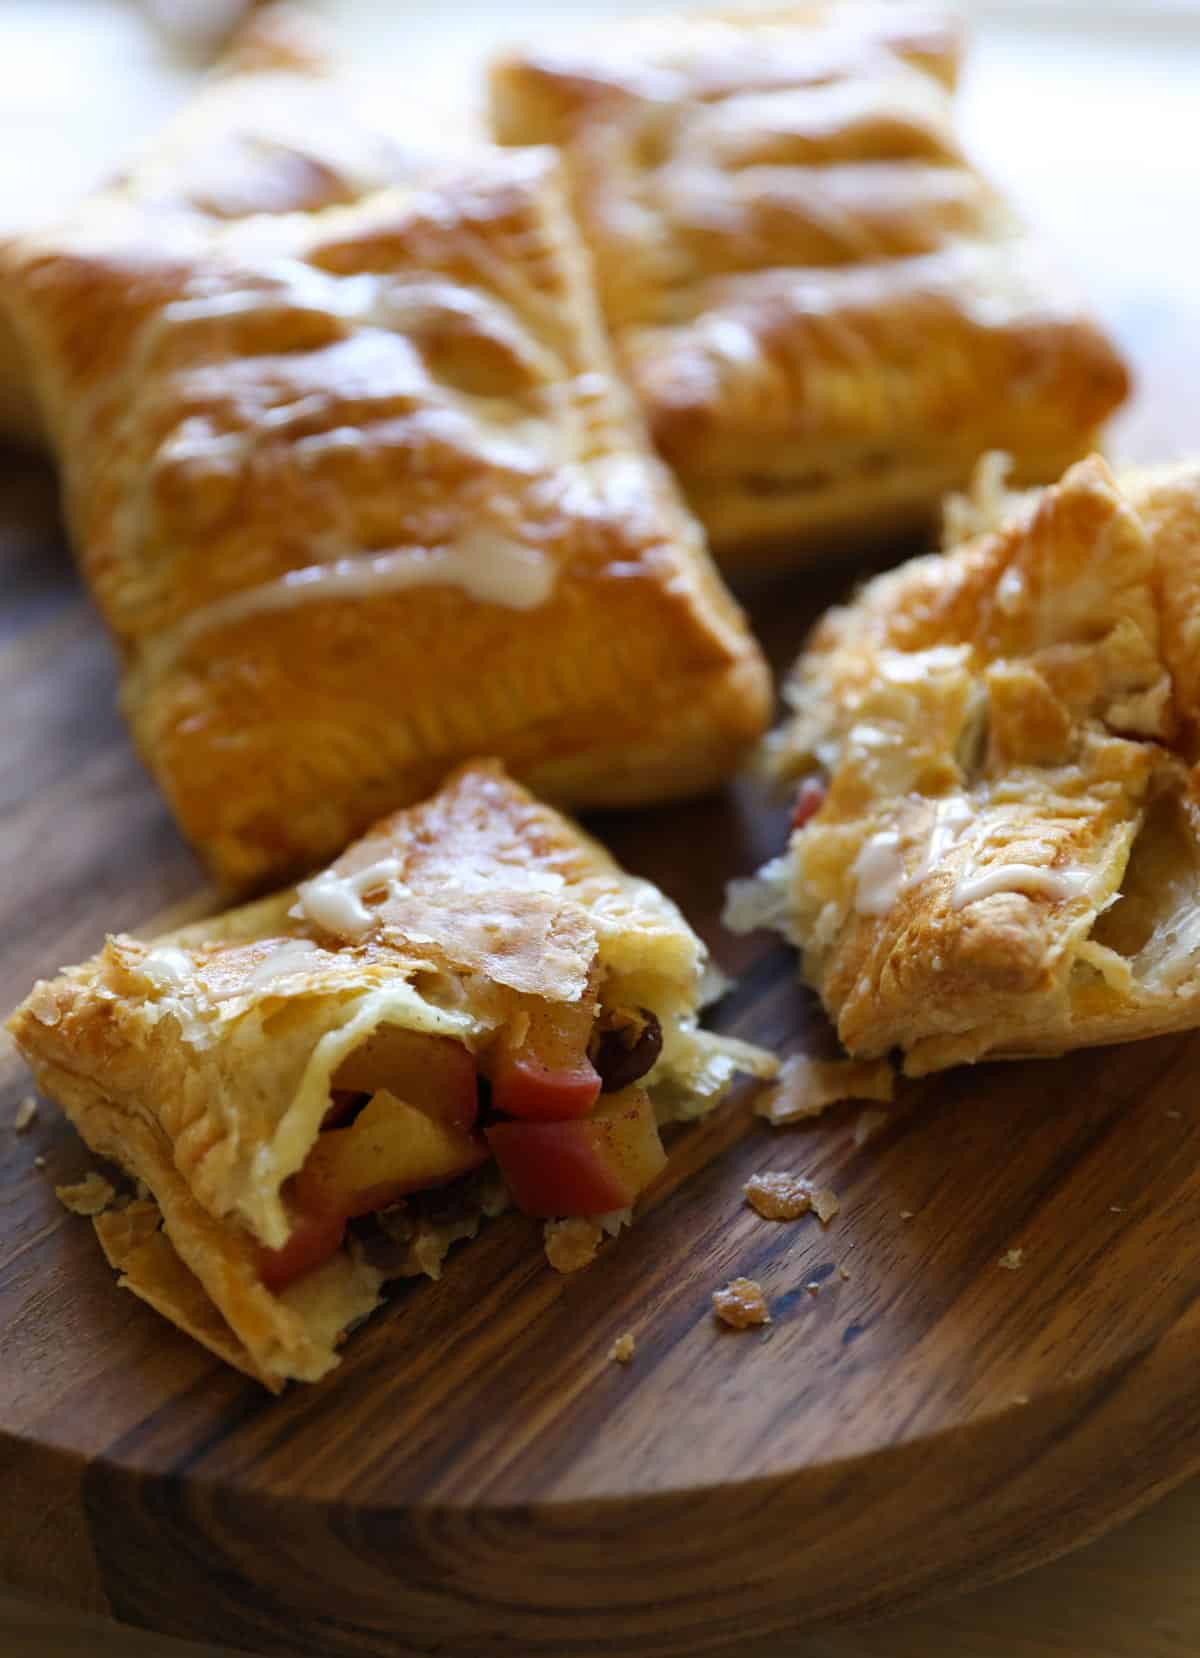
x: 826, y: 311
x: 359, y: 494
x: 996, y: 845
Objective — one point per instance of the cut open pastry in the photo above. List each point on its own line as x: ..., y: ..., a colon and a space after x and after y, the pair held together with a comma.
x: 828, y: 315
x: 359, y: 495
x: 281, y: 126
x: 325, y: 1088
x: 996, y: 848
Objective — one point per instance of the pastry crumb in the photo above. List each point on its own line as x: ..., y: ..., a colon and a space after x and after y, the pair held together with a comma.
x: 826, y: 1204
x: 779, y: 1195
x: 813, y: 1287
x: 26, y: 1112
x: 868, y: 1124
x: 741, y: 1304
x: 39, y: 1161
x: 1020, y: 1398
x: 1175, y: 1114
x: 806, y: 1087
x: 622, y: 1349
x: 571, y: 1244
x: 843, y: 1275
x: 907, y: 1214
x: 1012, y: 1260
x: 89, y: 1196
x: 1116, y: 1208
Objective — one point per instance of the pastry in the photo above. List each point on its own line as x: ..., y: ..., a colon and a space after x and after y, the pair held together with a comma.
x: 281, y: 126
x: 359, y: 495
x: 996, y: 847
x: 295, y: 1082
x: 827, y: 313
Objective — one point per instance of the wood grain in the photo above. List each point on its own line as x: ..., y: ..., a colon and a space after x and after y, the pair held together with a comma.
x: 479, y: 1479
x: 478, y: 1473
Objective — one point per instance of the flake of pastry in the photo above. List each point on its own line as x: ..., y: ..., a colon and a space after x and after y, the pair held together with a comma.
x: 907, y: 1214
x: 1012, y: 1260
x: 300, y: 1097
x: 741, y: 1304
x: 843, y: 1275
x: 25, y: 1113
x: 622, y: 1350
x: 1011, y: 720
x: 826, y: 1204
x: 806, y: 1087
x: 89, y: 1196
x: 572, y: 1244
x: 779, y: 1195
x: 386, y: 434
x: 39, y: 1161
x: 827, y: 313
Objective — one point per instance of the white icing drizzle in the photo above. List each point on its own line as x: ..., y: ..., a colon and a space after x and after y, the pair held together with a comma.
x: 879, y: 874
x: 1034, y: 880
x: 293, y: 956
x: 166, y: 967
x: 484, y: 564
x: 950, y: 818
x: 335, y: 902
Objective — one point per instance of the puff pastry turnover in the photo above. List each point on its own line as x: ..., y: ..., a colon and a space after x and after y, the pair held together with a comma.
x: 828, y: 315
x: 279, y: 127
x: 279, y: 1075
x: 359, y: 494
x: 996, y: 846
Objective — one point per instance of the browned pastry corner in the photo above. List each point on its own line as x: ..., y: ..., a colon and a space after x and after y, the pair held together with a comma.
x: 247, y: 1068
x: 996, y: 851
x: 279, y: 126
x: 358, y: 495
x: 827, y: 313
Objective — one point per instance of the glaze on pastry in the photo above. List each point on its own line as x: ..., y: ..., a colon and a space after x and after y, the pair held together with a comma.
x: 281, y: 126
x: 314, y: 1056
x: 358, y: 495
x: 828, y: 315
x: 996, y: 851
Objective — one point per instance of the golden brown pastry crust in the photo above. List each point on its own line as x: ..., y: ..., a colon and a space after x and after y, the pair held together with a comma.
x: 280, y: 126
x: 202, y: 1062
x: 827, y: 314
x: 371, y: 396
x: 1006, y: 861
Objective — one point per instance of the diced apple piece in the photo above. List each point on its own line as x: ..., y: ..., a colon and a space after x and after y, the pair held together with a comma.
x: 391, y: 1149
x: 547, y: 1075
x: 588, y: 1166
x: 313, y: 1239
x: 434, y: 1073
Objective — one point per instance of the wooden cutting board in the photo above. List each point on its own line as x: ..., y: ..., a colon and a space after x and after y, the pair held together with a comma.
x: 478, y: 1478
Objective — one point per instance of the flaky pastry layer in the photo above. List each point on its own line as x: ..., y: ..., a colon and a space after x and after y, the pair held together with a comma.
x: 1001, y: 740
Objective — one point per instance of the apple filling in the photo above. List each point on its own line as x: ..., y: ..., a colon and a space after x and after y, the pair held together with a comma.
x: 554, y: 1099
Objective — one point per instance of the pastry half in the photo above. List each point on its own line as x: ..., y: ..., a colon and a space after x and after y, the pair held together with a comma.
x: 281, y: 126
x: 359, y: 494
x: 827, y: 313
x: 324, y: 1089
x: 996, y: 850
